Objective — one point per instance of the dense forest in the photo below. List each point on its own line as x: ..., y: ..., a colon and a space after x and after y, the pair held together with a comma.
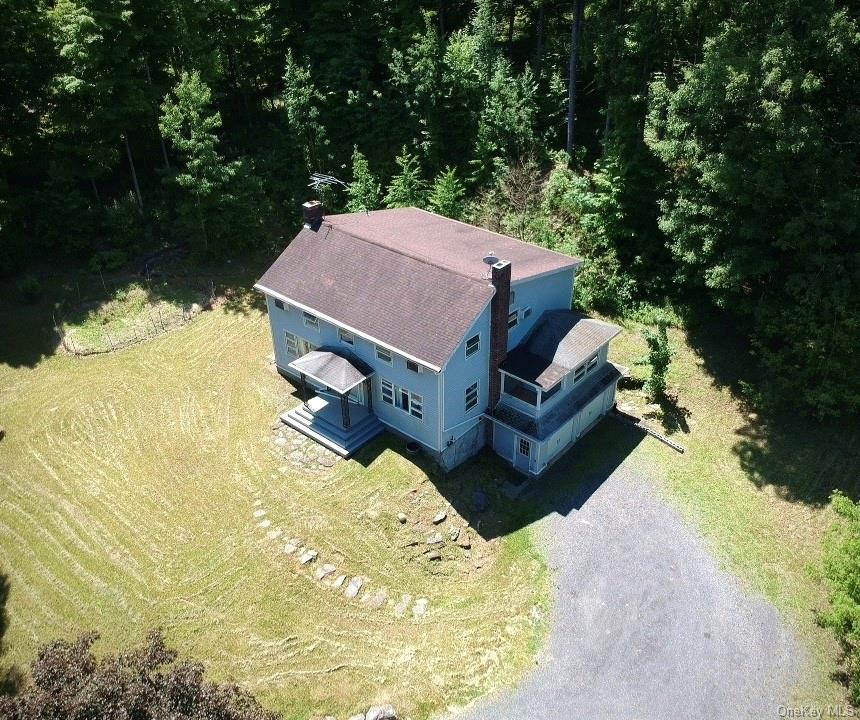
x: 713, y: 165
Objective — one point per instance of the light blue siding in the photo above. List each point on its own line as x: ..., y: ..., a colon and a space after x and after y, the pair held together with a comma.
x: 426, y: 383
x: 550, y: 292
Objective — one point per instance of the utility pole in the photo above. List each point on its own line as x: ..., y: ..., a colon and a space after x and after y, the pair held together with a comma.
x: 575, y: 32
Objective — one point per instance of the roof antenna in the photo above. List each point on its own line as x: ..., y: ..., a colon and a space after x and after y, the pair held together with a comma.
x: 319, y: 180
x: 490, y: 259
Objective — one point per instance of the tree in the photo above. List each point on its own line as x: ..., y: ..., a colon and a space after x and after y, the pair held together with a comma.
x: 190, y: 124
x: 407, y: 188
x: 842, y: 568
x: 658, y: 359
x: 760, y: 138
x: 364, y: 192
x: 447, y: 196
x: 69, y: 681
x: 301, y: 100
x: 575, y: 33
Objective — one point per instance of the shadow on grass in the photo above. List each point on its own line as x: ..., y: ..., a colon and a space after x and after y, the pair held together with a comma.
x: 11, y: 678
x: 487, y: 480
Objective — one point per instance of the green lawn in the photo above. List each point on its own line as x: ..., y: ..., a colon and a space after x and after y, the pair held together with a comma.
x: 129, y: 482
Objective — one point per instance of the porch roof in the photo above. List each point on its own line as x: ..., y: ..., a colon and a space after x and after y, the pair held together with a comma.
x: 333, y: 369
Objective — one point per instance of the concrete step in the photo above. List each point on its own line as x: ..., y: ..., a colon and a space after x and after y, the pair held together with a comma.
x: 343, y: 442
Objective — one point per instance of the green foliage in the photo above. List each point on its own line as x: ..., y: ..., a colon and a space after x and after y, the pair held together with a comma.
x: 447, y: 196
x: 29, y: 289
x: 109, y: 260
x: 70, y: 681
x: 658, y: 359
x: 364, y: 192
x: 842, y: 568
x: 301, y: 100
x: 407, y: 188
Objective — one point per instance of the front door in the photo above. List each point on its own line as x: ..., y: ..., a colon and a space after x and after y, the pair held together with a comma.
x: 522, y: 453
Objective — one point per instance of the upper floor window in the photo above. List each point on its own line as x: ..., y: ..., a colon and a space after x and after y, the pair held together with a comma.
x: 585, y: 368
x: 292, y: 343
x: 527, y: 313
x: 520, y: 390
x: 279, y: 304
x: 473, y: 344
x: 513, y: 319
x: 592, y: 363
x: 413, y: 366
x: 311, y: 321
x: 471, y: 396
x: 346, y: 337
x: 383, y: 354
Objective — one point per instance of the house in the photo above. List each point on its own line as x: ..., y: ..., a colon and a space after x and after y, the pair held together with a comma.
x: 446, y: 334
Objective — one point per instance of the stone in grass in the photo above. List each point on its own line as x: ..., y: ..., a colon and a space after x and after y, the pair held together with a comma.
x: 440, y: 517
x: 308, y: 556
x: 379, y: 599
x: 360, y: 716
x: 420, y: 607
x: 353, y: 587
x: 381, y: 712
x: 264, y: 524
x: 434, y: 555
x: 339, y: 581
x: 292, y: 545
x: 323, y: 571
x: 401, y: 517
x: 259, y: 513
x: 280, y: 441
x: 401, y: 606
x: 465, y: 540
x: 454, y: 533
x: 274, y: 534
x: 434, y: 539
x: 258, y: 502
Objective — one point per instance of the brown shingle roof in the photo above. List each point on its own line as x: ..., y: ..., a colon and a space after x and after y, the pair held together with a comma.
x: 560, y: 342
x: 408, y: 278
x: 449, y: 244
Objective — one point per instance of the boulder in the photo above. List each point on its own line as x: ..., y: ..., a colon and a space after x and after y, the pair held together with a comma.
x: 401, y: 517
x: 339, y: 581
x: 465, y: 540
x: 420, y: 607
x: 434, y: 539
x: 196, y: 309
x: 440, y: 517
x: 323, y: 571
x: 401, y: 606
x: 360, y: 716
x: 381, y: 712
x: 353, y: 587
x: 308, y: 556
x: 454, y: 533
x: 434, y: 555
x: 379, y: 599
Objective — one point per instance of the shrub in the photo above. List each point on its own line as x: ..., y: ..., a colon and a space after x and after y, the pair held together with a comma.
x: 146, y: 682
x: 842, y: 568
x: 109, y: 260
x: 29, y: 289
x: 659, y: 356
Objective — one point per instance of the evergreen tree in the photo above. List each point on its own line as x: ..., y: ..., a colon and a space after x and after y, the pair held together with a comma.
x: 658, y: 359
x: 448, y: 196
x: 364, y: 192
x: 301, y: 100
x: 407, y: 188
x: 190, y: 125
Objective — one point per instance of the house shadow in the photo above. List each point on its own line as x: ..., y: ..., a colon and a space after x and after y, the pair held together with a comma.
x: 496, y: 500
x: 11, y: 678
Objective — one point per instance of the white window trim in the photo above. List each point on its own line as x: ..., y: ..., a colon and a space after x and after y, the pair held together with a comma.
x: 477, y: 347
x: 340, y: 336
x: 388, y: 352
x: 414, y: 401
x: 310, y: 320
x: 295, y: 341
x: 528, y: 444
x: 417, y: 369
x: 477, y: 387
x: 515, y: 316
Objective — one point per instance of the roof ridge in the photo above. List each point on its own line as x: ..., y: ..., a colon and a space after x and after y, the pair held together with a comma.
x: 411, y: 256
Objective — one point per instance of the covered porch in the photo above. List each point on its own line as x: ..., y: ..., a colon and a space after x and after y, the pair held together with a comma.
x: 337, y: 400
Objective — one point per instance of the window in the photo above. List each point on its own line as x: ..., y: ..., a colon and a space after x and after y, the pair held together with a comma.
x: 527, y: 313
x: 578, y: 373
x: 311, y: 321
x: 416, y: 406
x: 471, y: 396
x: 383, y: 354
x: 346, y: 337
x: 513, y: 298
x: 592, y: 363
x: 292, y: 343
x: 413, y: 366
x: 525, y: 447
x: 513, y: 319
x: 473, y: 344
x: 402, y: 398
x: 387, y: 391
x: 279, y: 304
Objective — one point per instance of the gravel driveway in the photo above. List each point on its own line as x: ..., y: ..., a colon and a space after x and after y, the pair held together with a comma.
x: 645, y: 624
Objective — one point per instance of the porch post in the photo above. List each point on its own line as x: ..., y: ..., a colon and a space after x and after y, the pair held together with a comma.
x: 344, y: 409
x: 368, y: 387
x: 304, y: 390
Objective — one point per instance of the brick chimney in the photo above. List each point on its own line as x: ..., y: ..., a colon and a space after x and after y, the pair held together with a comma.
x: 499, y: 308
x: 312, y: 212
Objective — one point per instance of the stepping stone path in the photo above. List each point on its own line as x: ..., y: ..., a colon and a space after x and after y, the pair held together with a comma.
x: 301, y: 452
x: 325, y: 573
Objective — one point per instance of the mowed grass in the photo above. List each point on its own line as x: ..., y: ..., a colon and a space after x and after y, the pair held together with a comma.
x: 127, y: 490
x: 756, y: 487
